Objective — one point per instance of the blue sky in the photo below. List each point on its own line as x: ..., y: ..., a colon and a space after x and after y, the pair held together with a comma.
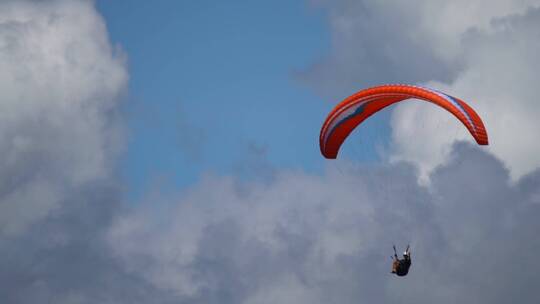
x: 213, y: 82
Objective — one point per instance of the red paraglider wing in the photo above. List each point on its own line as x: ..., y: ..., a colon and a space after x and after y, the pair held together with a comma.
x: 352, y: 111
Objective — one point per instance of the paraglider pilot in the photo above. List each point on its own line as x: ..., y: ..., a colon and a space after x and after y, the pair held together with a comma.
x: 400, y: 267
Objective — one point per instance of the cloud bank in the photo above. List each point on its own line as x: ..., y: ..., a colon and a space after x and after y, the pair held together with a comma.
x: 321, y: 239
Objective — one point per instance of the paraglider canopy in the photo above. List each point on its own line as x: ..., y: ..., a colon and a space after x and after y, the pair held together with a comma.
x: 352, y: 111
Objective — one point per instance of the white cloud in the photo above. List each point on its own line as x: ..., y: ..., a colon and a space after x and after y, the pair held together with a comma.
x: 59, y: 85
x: 324, y: 239
x: 499, y: 81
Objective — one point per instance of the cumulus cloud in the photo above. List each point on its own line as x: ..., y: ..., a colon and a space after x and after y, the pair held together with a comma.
x: 394, y: 41
x: 62, y: 258
x: 327, y: 239
x: 59, y: 83
x: 60, y: 80
x: 481, y: 51
x: 502, y: 69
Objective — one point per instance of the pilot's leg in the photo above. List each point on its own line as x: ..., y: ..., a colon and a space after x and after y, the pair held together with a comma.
x: 395, y: 266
